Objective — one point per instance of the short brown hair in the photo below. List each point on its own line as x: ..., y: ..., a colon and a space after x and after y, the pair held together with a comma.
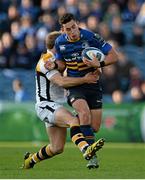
x: 66, y: 18
x: 50, y: 39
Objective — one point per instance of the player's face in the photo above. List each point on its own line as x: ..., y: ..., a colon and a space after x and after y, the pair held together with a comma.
x: 72, y: 30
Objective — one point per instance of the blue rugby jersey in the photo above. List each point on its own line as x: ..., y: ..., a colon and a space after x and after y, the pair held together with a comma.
x: 70, y: 52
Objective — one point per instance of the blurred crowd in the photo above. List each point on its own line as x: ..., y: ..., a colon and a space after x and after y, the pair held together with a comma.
x: 24, y: 25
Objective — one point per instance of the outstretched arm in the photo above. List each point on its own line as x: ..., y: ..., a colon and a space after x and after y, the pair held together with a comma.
x: 73, y: 81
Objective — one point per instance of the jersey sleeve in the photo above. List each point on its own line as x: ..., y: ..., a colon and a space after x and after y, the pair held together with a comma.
x: 49, y: 56
x: 101, y: 43
x: 51, y: 73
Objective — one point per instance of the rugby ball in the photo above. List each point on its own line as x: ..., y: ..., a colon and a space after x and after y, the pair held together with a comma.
x: 89, y: 51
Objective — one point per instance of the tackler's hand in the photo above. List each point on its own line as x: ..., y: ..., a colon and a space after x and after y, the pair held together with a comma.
x: 49, y: 65
x: 91, y: 77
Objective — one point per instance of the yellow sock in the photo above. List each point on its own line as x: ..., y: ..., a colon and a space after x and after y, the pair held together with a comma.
x: 42, y: 154
x: 78, y: 138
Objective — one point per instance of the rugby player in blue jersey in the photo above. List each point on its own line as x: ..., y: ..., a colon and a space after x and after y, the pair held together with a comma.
x: 86, y: 99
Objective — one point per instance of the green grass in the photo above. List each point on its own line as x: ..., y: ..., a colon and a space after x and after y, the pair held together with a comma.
x: 117, y: 161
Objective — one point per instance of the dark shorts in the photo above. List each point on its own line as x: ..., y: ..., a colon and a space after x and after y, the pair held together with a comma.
x: 92, y: 94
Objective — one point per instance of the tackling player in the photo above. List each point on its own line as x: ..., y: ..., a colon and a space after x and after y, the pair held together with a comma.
x: 49, y: 108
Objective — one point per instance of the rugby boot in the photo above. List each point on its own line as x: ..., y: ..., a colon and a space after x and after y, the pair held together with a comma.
x: 28, y: 162
x: 91, y: 150
x: 93, y: 163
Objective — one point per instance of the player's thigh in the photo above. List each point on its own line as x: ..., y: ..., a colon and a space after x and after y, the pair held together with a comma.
x: 57, y: 138
x: 96, y: 118
x: 77, y: 100
x: 64, y: 117
x: 81, y: 105
x: 46, y: 111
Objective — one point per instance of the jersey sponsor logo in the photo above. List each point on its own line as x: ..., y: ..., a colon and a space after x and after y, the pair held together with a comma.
x: 72, y: 99
x: 85, y: 45
x: 62, y: 47
x: 73, y: 59
x: 99, y: 101
x: 75, y: 54
x: 70, y: 59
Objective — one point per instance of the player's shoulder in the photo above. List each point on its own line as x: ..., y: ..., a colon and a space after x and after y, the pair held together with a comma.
x: 60, y: 39
x: 90, y: 34
x: 86, y: 33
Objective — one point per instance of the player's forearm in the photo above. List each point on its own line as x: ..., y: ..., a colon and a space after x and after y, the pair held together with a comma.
x: 69, y: 82
x: 60, y: 65
x: 111, y: 58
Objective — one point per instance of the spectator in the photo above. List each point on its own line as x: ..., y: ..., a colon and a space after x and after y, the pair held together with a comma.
x: 116, y: 32
x: 49, y: 6
x: 110, y: 79
x: 84, y: 10
x: 140, y: 19
x: 20, y: 94
x: 26, y: 26
x: 117, y: 97
x: 137, y: 37
x: 135, y: 95
x: 93, y: 23
x: 3, y: 59
x: 104, y: 30
x: 71, y: 6
x: 135, y: 77
x: 15, y: 31
x: 13, y: 14
x: 47, y: 22
x: 123, y: 66
x: 27, y: 9
x: 112, y: 11
x: 130, y: 12
x: 31, y: 45
x: 22, y: 58
x: 8, y: 47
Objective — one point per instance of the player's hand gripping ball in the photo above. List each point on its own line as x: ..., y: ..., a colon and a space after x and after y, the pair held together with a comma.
x: 89, y: 53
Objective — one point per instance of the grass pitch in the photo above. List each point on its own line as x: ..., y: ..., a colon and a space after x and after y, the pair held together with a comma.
x: 117, y: 161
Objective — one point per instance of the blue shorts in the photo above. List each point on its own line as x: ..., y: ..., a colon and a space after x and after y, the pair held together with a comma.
x: 92, y: 93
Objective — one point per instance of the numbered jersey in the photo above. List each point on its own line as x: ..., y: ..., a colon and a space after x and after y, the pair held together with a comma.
x: 46, y: 90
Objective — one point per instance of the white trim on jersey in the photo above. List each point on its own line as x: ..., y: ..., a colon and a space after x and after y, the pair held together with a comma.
x: 51, y: 73
x: 43, y: 87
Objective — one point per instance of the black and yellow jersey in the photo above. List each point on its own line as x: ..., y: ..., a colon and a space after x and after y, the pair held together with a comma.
x: 46, y: 90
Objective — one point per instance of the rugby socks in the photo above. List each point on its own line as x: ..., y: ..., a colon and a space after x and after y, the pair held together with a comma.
x: 42, y: 154
x: 78, y: 139
x: 88, y: 133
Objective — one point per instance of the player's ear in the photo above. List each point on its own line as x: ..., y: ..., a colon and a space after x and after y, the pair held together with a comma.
x: 62, y: 29
x: 77, y: 22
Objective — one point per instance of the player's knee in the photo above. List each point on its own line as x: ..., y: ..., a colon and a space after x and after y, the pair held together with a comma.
x: 96, y: 129
x: 84, y: 117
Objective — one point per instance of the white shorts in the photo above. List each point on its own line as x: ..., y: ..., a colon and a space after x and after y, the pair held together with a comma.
x: 46, y: 112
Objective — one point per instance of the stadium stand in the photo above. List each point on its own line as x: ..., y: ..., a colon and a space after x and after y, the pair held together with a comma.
x: 25, y: 23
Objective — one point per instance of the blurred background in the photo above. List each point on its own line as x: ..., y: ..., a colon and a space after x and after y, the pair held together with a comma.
x: 24, y: 25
